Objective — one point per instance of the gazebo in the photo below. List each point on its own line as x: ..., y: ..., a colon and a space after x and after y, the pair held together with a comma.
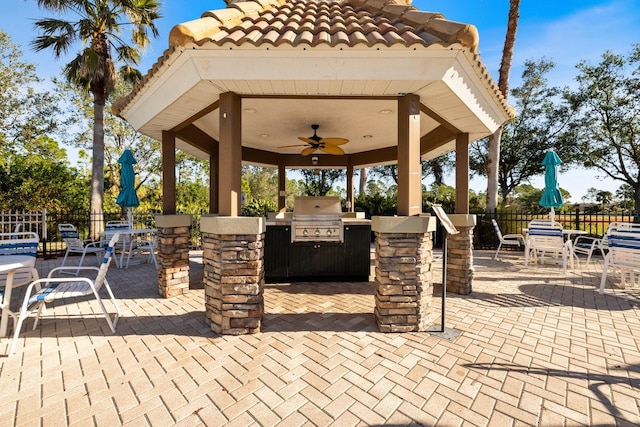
x: 239, y: 84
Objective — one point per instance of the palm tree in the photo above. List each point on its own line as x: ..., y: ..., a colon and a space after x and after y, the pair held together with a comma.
x: 493, y: 146
x: 98, y: 26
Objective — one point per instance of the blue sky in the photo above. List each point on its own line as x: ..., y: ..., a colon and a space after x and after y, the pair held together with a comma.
x: 565, y: 31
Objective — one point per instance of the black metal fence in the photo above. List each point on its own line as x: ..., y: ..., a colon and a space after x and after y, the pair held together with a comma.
x: 511, y: 222
x: 46, y: 225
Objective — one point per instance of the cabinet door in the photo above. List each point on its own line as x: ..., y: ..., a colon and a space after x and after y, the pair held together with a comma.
x: 316, y: 260
x: 357, y: 251
x: 276, y: 251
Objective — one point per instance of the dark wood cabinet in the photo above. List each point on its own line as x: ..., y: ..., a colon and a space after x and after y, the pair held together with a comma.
x: 276, y: 252
x: 357, y: 251
x: 317, y: 261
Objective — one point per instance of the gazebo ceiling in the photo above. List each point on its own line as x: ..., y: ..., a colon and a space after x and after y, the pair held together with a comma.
x: 340, y: 64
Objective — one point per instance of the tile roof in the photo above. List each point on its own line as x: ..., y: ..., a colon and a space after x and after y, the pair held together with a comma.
x: 347, y: 23
x: 314, y: 23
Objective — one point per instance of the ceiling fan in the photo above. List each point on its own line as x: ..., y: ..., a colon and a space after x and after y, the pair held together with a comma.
x: 314, y: 143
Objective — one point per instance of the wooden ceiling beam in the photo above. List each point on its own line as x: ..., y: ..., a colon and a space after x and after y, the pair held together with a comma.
x: 200, y: 114
x: 192, y: 135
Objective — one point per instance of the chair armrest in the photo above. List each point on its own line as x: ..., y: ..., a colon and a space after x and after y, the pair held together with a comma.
x: 591, y: 242
x: 93, y: 244
x: 78, y: 269
x: 513, y: 236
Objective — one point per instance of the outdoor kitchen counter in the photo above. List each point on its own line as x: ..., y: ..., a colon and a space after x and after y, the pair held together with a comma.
x: 289, y: 261
x: 346, y: 221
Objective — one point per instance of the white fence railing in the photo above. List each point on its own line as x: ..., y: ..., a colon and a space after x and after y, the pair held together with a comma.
x: 35, y: 221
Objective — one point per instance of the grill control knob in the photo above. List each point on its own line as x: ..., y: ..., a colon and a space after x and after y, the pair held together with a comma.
x: 305, y: 232
x: 317, y: 232
x: 329, y: 232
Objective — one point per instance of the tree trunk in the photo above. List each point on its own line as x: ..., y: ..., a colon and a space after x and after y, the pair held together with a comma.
x: 438, y: 172
x: 97, y: 174
x: 636, y: 204
x: 362, y: 187
x: 493, y: 146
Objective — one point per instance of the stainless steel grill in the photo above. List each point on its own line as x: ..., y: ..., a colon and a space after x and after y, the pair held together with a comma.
x: 317, y: 219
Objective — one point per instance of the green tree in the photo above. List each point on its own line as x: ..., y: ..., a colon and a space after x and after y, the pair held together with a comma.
x: 624, y: 197
x: 608, y: 126
x: 99, y: 26
x: 319, y: 182
x: 118, y: 136
x: 494, y: 141
x: 542, y: 123
x: 25, y: 112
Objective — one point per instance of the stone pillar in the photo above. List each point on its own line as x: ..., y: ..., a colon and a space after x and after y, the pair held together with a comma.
x: 233, y: 273
x: 460, y: 255
x: 173, y: 254
x: 404, y: 273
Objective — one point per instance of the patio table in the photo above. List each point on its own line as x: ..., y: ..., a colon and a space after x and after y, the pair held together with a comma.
x: 9, y: 264
x: 131, y: 233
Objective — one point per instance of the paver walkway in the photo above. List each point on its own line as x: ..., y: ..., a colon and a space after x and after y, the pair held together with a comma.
x: 534, y: 348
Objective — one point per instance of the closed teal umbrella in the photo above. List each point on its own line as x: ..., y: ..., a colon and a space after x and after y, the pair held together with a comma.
x: 551, y: 197
x: 127, y: 197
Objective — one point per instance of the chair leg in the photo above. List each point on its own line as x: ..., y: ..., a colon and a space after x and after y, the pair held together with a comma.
x: 496, y: 255
x: 152, y: 254
x: 604, y: 274
x: 65, y: 257
x: 112, y: 323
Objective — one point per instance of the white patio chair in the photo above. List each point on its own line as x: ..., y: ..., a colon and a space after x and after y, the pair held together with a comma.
x: 74, y: 244
x: 143, y: 246
x: 17, y: 243
x: 516, y: 240
x: 112, y: 227
x: 56, y: 288
x: 543, y: 240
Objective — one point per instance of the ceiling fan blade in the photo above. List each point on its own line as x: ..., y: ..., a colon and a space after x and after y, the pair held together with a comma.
x: 308, y: 151
x: 334, y: 141
x: 332, y: 149
x: 295, y: 145
x: 307, y: 140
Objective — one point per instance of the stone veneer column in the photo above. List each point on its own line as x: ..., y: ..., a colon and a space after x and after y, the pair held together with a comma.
x: 460, y: 255
x: 173, y: 254
x: 403, y: 273
x: 233, y: 273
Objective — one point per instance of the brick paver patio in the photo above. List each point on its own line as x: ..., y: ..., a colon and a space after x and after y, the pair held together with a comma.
x: 532, y: 347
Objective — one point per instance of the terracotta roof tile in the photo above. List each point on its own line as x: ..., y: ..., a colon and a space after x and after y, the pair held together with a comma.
x: 331, y: 22
x: 308, y: 23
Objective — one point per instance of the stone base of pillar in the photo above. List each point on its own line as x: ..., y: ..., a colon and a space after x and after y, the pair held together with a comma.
x: 233, y: 273
x: 173, y: 254
x: 460, y: 261
x: 404, y: 275
x: 233, y: 283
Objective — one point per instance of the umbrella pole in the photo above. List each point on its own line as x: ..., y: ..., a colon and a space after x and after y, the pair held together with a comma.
x: 130, y: 217
x: 552, y: 215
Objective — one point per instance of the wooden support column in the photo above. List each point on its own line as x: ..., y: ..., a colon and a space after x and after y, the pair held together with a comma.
x: 462, y: 173
x: 168, y: 173
x: 351, y: 203
x: 230, y: 155
x: 282, y: 188
x: 214, y: 178
x: 409, y: 168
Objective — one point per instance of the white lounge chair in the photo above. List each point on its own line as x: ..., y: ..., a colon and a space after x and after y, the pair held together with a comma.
x: 74, y: 244
x: 55, y: 288
x: 543, y: 240
x: 516, y: 240
x: 622, y: 242
x: 143, y: 245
